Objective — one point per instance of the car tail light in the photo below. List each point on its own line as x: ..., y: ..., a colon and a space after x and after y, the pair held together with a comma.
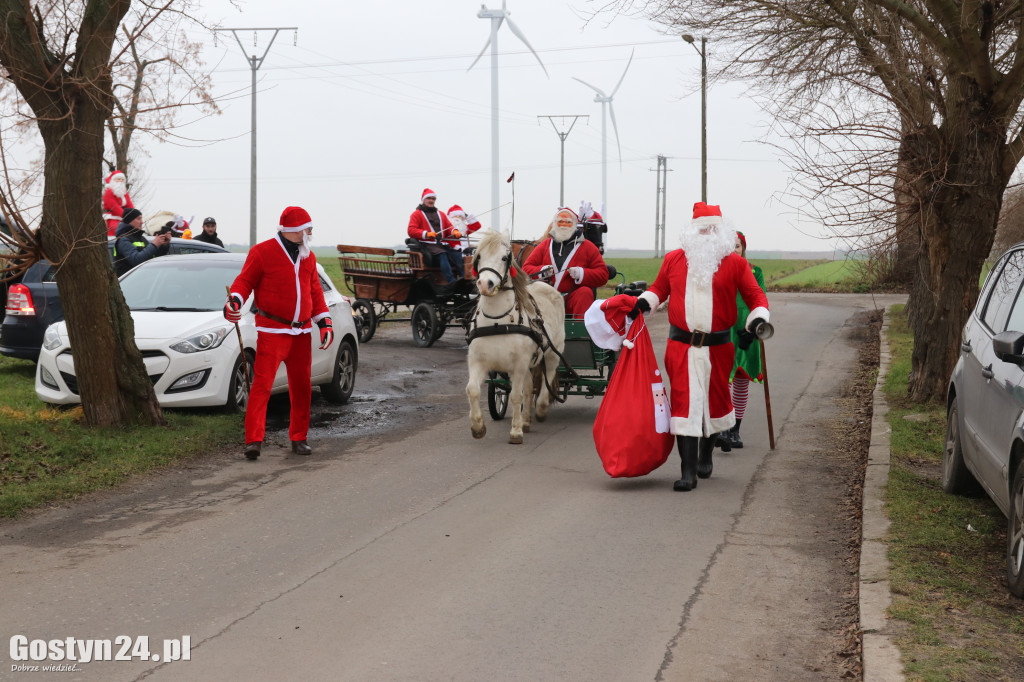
x: 19, y: 301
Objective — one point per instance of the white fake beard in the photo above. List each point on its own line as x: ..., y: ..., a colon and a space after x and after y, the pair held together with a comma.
x: 119, y: 189
x: 304, y: 247
x: 704, y: 252
x: 561, y: 234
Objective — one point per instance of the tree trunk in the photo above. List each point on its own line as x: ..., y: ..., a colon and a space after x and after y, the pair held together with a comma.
x: 908, y: 231
x: 112, y: 379
x: 960, y: 184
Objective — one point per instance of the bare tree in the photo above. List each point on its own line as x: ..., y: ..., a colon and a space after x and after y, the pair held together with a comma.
x: 161, y: 72
x: 58, y: 55
x: 950, y: 77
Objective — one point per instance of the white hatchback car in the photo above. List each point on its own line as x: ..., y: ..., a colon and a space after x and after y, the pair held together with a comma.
x: 191, y: 352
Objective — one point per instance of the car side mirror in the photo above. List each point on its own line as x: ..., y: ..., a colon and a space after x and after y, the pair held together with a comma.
x: 1009, y: 347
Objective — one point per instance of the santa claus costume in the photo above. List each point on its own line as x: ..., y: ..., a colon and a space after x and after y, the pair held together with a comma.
x: 116, y: 200
x: 462, y: 222
x: 579, y: 267
x: 700, y: 281
x: 281, y: 273
x: 437, y: 236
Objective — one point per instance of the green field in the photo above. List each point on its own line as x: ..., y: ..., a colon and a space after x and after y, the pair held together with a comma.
x: 834, y: 275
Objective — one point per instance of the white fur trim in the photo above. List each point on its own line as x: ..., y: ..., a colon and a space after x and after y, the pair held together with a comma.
x: 754, y: 314
x: 299, y: 228
x: 708, y: 220
x: 601, y: 333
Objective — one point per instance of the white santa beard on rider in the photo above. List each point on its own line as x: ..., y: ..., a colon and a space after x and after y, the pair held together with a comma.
x: 705, y: 252
x: 119, y: 189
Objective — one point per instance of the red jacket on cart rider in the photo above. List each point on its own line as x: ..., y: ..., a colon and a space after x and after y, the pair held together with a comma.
x: 579, y: 267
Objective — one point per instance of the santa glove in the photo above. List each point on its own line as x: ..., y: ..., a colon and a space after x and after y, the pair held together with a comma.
x: 326, y: 332
x: 642, y: 306
x: 745, y: 338
x: 576, y: 273
x: 470, y: 218
x: 431, y: 235
x: 456, y: 234
x: 233, y: 310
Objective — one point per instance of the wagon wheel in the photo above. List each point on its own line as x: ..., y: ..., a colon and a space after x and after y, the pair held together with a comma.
x: 497, y: 398
x: 366, y: 318
x: 442, y: 324
x: 424, y: 324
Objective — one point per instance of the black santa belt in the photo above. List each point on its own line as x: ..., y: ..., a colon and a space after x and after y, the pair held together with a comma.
x: 275, y: 318
x: 699, y: 339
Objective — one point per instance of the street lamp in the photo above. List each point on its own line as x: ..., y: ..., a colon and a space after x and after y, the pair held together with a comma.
x: 703, y: 113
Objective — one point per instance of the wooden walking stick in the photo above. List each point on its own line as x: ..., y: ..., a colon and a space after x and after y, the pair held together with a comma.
x: 245, y: 360
x: 767, y: 397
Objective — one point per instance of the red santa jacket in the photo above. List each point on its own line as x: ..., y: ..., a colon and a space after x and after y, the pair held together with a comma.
x: 419, y: 226
x: 709, y: 313
x: 113, y: 208
x: 583, y: 255
x: 287, y: 290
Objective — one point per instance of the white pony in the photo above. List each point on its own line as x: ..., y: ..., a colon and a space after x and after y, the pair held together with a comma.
x: 518, y: 328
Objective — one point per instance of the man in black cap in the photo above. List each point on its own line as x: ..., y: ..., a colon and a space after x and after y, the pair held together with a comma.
x: 130, y: 245
x: 209, y: 233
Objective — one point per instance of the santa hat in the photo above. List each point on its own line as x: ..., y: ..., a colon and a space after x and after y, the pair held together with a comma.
x: 427, y: 194
x: 608, y: 321
x: 294, y: 219
x: 112, y: 176
x: 704, y: 214
x: 743, y: 240
x: 456, y: 211
x: 566, y: 209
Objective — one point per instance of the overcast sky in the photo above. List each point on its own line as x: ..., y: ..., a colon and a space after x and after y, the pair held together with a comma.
x: 372, y: 102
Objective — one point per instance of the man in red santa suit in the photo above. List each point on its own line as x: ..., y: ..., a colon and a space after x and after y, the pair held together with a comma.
x: 437, y: 235
x: 579, y: 267
x: 281, y: 273
x: 115, y: 200
x: 700, y: 282
x: 464, y: 223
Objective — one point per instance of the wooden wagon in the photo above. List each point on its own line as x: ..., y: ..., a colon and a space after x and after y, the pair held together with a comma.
x: 385, y: 282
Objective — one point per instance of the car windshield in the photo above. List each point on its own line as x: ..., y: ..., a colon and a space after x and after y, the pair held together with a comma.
x: 174, y: 284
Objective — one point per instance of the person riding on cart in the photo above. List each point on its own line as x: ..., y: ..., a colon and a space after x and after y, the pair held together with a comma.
x: 578, y: 265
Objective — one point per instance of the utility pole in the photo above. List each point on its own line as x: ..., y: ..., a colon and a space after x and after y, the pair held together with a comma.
x: 703, y: 52
x: 562, y: 136
x: 255, y: 63
x: 659, y: 207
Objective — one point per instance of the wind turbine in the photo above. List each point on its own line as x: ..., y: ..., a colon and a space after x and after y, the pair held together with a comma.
x: 607, y: 110
x: 497, y: 16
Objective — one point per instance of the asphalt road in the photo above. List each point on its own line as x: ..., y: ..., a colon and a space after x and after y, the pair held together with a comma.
x: 404, y: 549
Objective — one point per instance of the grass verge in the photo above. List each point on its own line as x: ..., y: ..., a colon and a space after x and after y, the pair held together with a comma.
x: 947, y: 552
x: 47, y: 455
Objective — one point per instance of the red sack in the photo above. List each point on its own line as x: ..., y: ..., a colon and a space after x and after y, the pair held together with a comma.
x: 631, y: 431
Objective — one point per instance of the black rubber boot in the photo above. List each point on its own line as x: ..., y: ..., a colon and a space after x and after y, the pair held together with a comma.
x: 721, y: 440
x: 704, y: 463
x: 734, y: 435
x: 688, y: 454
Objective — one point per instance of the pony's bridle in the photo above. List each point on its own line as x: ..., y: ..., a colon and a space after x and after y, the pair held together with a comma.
x: 507, y: 259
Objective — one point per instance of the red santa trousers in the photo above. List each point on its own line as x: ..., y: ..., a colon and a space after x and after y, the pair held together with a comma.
x: 578, y: 301
x: 296, y: 352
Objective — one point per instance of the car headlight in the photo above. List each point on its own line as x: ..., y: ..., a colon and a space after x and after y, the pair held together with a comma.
x: 208, y: 340
x: 51, y: 338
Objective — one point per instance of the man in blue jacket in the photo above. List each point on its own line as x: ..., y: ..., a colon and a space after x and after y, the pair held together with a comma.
x: 131, y: 246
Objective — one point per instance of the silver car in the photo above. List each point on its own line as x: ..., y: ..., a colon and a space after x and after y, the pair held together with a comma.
x: 985, y: 421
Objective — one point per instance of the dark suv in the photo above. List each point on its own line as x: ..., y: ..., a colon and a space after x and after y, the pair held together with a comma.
x: 985, y: 422
x: 33, y: 303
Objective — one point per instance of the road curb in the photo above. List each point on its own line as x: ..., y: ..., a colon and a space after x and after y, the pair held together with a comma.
x: 882, y: 662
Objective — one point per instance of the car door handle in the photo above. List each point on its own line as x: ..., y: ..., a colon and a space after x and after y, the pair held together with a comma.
x: 987, y: 372
x: 965, y: 346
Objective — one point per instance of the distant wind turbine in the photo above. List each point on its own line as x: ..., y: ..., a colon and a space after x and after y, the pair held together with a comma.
x: 497, y: 16
x: 607, y: 110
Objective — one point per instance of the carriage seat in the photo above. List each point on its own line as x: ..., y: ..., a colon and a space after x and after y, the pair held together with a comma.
x: 417, y: 246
